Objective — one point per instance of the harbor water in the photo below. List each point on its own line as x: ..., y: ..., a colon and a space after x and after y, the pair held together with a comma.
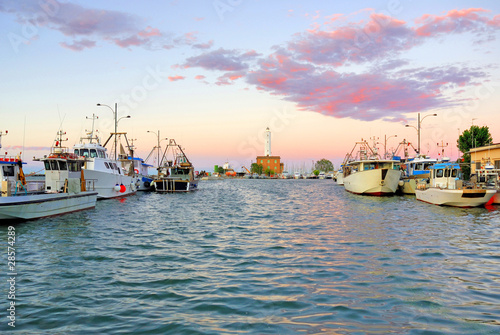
x: 258, y: 257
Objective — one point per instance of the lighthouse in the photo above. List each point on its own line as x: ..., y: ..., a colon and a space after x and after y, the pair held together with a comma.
x: 267, y: 145
x: 271, y: 165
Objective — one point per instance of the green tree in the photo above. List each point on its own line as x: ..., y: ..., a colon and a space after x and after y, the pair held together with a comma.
x: 256, y: 168
x: 316, y: 172
x: 220, y: 170
x: 324, y: 165
x: 269, y: 172
x: 472, y: 138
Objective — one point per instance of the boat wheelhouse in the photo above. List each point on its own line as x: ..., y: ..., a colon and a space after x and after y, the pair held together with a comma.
x: 413, y: 170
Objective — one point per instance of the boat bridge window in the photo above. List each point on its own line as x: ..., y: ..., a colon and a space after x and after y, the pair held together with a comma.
x: 8, y: 171
x: 439, y: 173
x: 101, y: 154
x: 84, y: 152
x: 427, y: 166
x: 63, y: 165
x: 47, y: 165
x: 418, y: 166
x: 53, y: 165
x: 93, y: 153
x: 447, y: 173
x: 76, y: 152
x: 454, y: 173
x: 74, y: 166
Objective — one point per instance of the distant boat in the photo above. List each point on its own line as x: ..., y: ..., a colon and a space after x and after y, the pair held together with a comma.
x: 65, y: 189
x: 176, y: 173
x: 446, y: 188
x: 367, y: 174
x: 297, y: 175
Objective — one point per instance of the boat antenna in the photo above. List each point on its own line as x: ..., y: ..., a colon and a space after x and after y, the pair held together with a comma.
x: 93, y: 118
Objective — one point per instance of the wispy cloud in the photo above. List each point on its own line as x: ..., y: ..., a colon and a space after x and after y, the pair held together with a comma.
x: 84, y: 27
x: 310, y: 69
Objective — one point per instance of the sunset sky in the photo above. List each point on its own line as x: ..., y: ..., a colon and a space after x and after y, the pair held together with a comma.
x: 214, y: 74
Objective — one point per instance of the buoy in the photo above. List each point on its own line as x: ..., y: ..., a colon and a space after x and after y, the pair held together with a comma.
x: 136, y: 171
x: 117, y: 188
x: 122, y: 188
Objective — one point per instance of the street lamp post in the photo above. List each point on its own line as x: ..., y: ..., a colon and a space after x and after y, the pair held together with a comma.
x: 418, y: 129
x: 385, y: 144
x: 116, y: 122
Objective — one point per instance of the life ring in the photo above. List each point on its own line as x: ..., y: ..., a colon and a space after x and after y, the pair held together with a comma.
x: 136, y: 171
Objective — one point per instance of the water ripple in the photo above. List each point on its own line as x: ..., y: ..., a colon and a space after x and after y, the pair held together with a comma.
x: 260, y: 257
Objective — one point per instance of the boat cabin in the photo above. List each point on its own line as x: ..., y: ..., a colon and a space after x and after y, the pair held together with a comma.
x: 58, y: 169
x: 446, y: 175
x: 365, y: 165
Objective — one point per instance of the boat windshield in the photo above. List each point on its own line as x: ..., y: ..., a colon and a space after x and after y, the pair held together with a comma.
x: 8, y: 171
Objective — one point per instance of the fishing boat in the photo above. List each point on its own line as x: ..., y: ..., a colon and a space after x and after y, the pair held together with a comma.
x: 367, y: 174
x: 413, y: 170
x: 109, y: 178
x: 338, y: 176
x: 175, y: 173
x: 445, y: 187
x: 65, y: 188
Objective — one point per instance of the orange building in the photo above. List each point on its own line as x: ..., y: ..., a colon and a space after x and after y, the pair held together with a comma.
x: 273, y: 162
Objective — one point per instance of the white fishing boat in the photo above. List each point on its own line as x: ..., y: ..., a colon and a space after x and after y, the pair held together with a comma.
x: 365, y: 173
x: 176, y: 173
x: 446, y: 188
x: 413, y: 170
x: 65, y: 189
x: 110, y: 180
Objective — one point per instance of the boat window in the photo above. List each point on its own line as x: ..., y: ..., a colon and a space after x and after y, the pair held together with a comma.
x: 53, y: 165
x: 447, y: 173
x: 427, y: 166
x: 101, y: 154
x: 93, y: 153
x: 8, y: 171
x: 454, y: 173
x: 84, y: 152
x: 418, y: 166
x: 439, y: 173
x: 106, y: 165
x: 72, y: 166
x: 47, y: 166
x: 77, y: 152
x: 63, y: 165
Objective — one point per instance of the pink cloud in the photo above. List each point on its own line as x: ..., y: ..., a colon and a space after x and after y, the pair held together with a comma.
x: 199, y: 77
x: 149, y: 31
x: 229, y: 78
x: 79, y: 45
x: 175, y: 78
x: 207, y: 45
x: 129, y: 41
x: 455, y: 21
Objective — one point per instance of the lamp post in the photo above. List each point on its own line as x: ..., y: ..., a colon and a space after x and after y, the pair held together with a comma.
x: 116, y: 122
x: 385, y: 144
x: 418, y: 129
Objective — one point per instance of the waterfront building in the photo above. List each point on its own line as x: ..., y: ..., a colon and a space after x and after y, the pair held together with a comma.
x: 486, y: 154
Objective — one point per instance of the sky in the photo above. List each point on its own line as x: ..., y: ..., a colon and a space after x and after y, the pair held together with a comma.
x: 214, y: 74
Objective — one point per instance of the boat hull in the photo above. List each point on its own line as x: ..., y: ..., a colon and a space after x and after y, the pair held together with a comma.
x: 35, y: 206
x: 105, y: 184
x: 175, y: 185
x: 376, y: 182
x: 455, y: 198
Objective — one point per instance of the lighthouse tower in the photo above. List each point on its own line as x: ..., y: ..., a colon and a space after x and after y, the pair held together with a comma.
x: 267, y: 146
